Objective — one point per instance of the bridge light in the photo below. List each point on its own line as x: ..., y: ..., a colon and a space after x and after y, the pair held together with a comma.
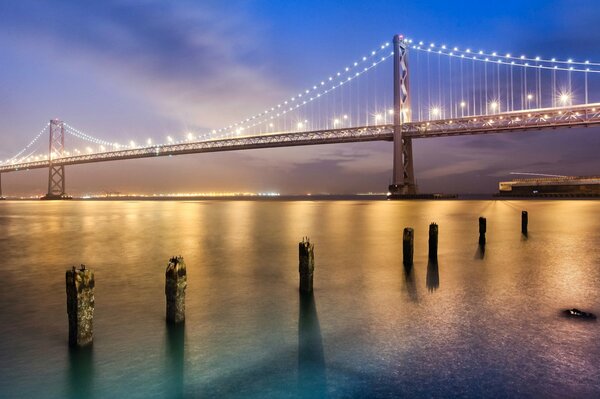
x: 565, y: 98
x: 345, y: 116
x: 391, y: 111
x: 149, y: 141
x: 529, y: 96
x: 463, y: 104
x: 132, y: 144
x: 435, y: 111
x: 494, y: 105
x: 300, y: 125
x: 270, y: 125
x: 190, y: 136
x: 336, y: 122
x: 377, y: 117
x: 169, y: 139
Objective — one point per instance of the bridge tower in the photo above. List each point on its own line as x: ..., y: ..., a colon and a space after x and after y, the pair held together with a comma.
x: 403, y: 174
x: 56, y: 173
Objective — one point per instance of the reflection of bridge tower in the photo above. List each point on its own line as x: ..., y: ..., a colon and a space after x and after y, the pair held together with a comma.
x: 403, y: 174
x: 56, y: 173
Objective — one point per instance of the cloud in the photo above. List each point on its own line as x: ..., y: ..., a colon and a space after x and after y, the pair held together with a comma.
x: 189, y: 59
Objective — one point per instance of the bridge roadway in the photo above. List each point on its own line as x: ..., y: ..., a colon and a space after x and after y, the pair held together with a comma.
x: 516, y: 121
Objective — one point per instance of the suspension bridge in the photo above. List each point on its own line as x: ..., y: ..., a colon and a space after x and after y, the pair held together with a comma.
x: 447, y: 91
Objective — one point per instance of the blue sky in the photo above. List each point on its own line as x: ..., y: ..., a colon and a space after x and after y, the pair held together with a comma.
x: 125, y: 70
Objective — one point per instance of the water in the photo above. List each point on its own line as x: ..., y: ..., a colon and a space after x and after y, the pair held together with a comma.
x: 474, y: 325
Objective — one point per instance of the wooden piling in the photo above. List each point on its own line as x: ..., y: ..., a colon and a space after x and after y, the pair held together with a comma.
x: 433, y: 241
x: 175, y: 285
x: 482, y: 230
x: 408, y: 245
x: 80, y: 305
x: 524, y: 222
x: 307, y: 264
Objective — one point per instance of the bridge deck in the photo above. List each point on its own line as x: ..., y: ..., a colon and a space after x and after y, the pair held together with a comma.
x: 552, y: 118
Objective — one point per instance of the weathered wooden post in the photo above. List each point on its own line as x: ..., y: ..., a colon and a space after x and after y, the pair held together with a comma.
x: 433, y: 241
x: 175, y: 285
x: 524, y: 221
x: 80, y: 305
x: 307, y: 264
x: 408, y: 245
x: 482, y: 229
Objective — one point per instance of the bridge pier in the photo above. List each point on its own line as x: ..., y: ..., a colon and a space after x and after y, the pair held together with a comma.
x: 56, y: 173
x: 403, y: 173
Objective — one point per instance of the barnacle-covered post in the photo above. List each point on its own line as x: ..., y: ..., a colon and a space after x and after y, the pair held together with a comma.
x: 408, y: 244
x: 433, y: 241
x: 80, y: 305
x: 307, y: 265
x: 482, y: 230
x: 175, y: 285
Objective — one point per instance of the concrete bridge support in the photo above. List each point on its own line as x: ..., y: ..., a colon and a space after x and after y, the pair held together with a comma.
x: 56, y: 173
x: 403, y: 173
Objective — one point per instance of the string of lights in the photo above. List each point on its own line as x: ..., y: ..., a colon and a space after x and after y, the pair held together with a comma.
x: 522, y: 61
x: 338, y: 76
x: 78, y: 133
x: 32, y: 142
x: 317, y: 95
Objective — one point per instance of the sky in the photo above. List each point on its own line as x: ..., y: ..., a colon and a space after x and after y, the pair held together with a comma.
x: 129, y: 70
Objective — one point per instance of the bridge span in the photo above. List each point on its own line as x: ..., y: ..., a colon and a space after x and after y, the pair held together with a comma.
x: 518, y: 121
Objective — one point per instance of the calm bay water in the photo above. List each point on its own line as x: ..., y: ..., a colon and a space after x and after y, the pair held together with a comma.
x: 474, y: 325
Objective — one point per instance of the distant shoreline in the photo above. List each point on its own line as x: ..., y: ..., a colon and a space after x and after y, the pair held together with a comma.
x: 315, y: 197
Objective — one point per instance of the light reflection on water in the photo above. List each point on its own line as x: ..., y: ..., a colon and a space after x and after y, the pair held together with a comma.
x: 473, y: 324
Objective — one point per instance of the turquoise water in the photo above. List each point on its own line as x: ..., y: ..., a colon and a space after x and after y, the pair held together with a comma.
x: 476, y: 324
